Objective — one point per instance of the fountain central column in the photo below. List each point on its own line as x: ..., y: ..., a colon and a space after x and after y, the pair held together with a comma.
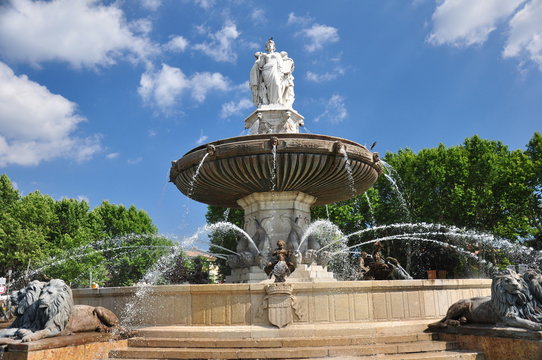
x: 274, y: 216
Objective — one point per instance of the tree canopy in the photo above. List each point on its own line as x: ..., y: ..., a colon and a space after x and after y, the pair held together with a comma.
x: 43, y: 237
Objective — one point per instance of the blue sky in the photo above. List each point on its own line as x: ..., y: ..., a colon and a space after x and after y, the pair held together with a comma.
x: 98, y: 97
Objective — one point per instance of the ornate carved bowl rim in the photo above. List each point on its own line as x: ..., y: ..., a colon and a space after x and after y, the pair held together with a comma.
x: 310, y: 163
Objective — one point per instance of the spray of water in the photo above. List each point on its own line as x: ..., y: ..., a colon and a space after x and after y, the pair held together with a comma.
x: 193, y: 181
x: 274, y: 169
x: 348, y: 169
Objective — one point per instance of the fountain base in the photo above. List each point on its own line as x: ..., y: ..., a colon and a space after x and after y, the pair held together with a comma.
x: 252, y: 274
x: 311, y: 273
x: 273, y: 216
x: 303, y: 273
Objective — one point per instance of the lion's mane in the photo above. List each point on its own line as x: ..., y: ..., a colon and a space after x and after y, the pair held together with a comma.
x: 508, y: 294
x: 25, y: 302
x: 55, y: 306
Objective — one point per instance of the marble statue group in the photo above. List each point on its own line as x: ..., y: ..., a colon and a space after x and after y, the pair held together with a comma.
x: 271, y: 79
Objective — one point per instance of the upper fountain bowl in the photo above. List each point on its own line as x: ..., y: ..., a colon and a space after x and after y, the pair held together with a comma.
x: 313, y: 164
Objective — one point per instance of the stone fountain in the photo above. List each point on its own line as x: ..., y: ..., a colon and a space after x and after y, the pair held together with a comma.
x: 276, y: 174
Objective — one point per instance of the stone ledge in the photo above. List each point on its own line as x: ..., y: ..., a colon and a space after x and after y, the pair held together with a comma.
x: 497, y: 343
x: 62, y: 341
x: 82, y: 346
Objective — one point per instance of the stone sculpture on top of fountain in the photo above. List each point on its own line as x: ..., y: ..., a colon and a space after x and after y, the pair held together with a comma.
x: 275, y: 175
x: 272, y: 86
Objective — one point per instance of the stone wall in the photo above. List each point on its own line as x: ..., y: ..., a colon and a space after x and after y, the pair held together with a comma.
x: 319, y: 303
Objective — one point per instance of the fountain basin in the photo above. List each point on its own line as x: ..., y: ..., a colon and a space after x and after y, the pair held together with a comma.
x: 316, y: 165
x: 325, y: 303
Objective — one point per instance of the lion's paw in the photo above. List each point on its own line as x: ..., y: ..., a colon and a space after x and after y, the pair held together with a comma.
x: 29, y: 338
x: 454, y: 323
x: 23, y: 332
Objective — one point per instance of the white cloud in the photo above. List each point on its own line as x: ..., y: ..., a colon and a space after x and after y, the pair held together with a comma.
x: 258, y: 15
x: 220, y: 48
x: 335, y: 110
x: 202, y: 83
x: 83, y: 198
x: 294, y: 19
x: 141, y: 26
x: 84, y: 33
x: 201, y: 139
x: 164, y: 88
x: 176, y: 44
x: 152, y: 5
x: 206, y: 4
x: 29, y: 136
x: 468, y: 22
x: 112, y: 155
x: 235, y: 108
x: 525, y: 37
x: 327, y: 76
x: 319, y: 35
x: 135, y: 161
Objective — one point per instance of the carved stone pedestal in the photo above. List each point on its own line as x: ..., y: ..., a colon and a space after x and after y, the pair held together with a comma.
x: 252, y: 274
x: 273, y: 216
x: 310, y: 273
x: 272, y: 119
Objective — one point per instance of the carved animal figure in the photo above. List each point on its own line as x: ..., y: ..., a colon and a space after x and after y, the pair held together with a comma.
x: 506, y: 305
x: 89, y: 318
x: 25, y: 302
x: 295, y: 234
x: 46, y: 309
x: 260, y: 238
x: 54, y: 307
x: 534, y: 282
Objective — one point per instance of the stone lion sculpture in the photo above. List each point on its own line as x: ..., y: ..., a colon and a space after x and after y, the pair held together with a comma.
x: 511, y: 304
x: 25, y: 302
x: 46, y: 310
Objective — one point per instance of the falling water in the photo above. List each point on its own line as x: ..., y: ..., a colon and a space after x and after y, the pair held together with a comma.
x: 226, y: 214
x: 327, y: 211
x: 220, y: 226
x: 135, y: 308
x: 395, y: 180
x: 397, y: 192
x: 371, y: 211
x: 324, y: 230
x: 348, y: 168
x: 274, y: 170
x: 192, y: 182
x: 461, y: 240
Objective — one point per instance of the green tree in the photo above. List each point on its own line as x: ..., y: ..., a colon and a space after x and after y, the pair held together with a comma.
x: 65, y: 239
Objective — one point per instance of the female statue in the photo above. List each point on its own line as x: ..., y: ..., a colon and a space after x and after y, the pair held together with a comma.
x: 271, y: 81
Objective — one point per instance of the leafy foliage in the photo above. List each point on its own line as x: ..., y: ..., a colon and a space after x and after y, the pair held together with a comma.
x: 44, y: 238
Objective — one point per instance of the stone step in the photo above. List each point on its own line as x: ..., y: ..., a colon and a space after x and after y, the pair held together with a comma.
x: 298, y: 352
x: 278, y: 342
x: 295, y: 330
x: 430, y: 355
